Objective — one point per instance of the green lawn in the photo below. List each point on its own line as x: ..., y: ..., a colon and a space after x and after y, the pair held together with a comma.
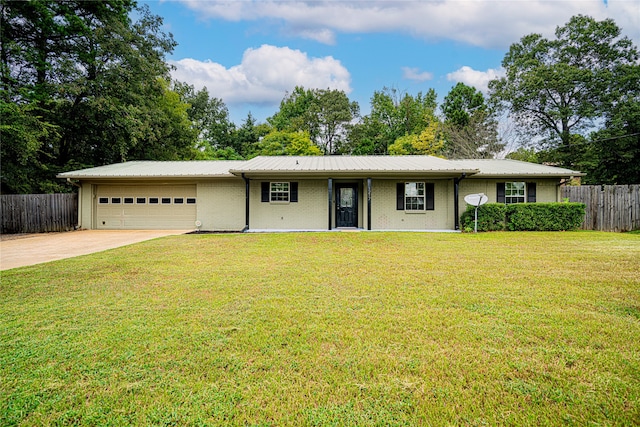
x: 317, y: 329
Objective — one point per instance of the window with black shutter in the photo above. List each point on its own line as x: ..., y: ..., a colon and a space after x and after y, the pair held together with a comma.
x: 500, y: 192
x: 531, y: 192
x: 279, y: 192
x: 415, y: 196
x: 515, y: 192
x: 400, y: 196
x: 430, y: 195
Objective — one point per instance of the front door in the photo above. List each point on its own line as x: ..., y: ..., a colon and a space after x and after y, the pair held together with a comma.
x: 346, y: 205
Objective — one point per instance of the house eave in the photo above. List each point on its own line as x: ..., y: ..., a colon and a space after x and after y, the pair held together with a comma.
x: 355, y: 174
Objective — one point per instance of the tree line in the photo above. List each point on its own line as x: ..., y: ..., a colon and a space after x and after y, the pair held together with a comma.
x: 84, y: 84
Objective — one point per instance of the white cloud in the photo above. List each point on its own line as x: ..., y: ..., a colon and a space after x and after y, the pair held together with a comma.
x: 415, y: 74
x: 486, y: 23
x: 478, y: 79
x: 264, y: 75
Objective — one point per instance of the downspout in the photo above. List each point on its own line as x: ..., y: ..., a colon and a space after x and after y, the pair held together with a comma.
x: 246, y: 203
x: 456, y: 196
x: 75, y: 184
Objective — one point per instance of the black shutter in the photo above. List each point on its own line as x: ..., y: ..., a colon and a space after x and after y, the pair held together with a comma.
x: 531, y: 192
x: 400, y: 196
x: 293, y: 190
x: 265, y: 192
x: 500, y: 193
x: 429, y: 196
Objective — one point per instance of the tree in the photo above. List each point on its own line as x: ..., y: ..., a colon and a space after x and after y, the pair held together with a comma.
x: 559, y: 88
x: 324, y: 113
x: 427, y: 142
x: 461, y: 103
x: 330, y: 113
x: 93, y: 85
x: 393, y: 115
x: 209, y: 117
x: 249, y: 134
x: 525, y: 154
x: 470, y: 130
x: 285, y: 143
x: 613, y: 153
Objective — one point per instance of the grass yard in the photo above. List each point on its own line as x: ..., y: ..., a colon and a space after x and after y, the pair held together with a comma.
x: 328, y: 329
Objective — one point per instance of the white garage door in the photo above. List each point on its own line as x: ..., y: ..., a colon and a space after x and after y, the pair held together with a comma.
x: 168, y: 207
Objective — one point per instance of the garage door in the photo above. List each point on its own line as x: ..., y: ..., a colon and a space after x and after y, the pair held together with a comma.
x: 170, y: 207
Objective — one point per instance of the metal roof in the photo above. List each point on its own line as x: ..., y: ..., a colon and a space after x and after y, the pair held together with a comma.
x: 158, y: 169
x: 336, y: 166
x: 514, y: 168
x: 351, y: 165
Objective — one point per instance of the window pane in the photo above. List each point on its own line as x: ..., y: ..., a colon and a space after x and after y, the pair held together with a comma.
x: 414, y: 189
x: 279, y: 191
x: 191, y: 200
x: 103, y: 200
x: 115, y: 200
x: 178, y: 200
x: 128, y: 200
x: 415, y: 203
x: 153, y: 200
x: 141, y: 200
x: 414, y: 196
x: 514, y: 192
x: 166, y: 200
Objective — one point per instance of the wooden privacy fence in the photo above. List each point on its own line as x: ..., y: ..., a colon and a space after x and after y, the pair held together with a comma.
x: 38, y: 213
x: 608, y: 207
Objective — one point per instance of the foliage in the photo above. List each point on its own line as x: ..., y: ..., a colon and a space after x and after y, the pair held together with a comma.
x: 91, y: 84
x: 470, y: 130
x: 525, y: 154
x: 323, y: 113
x: 248, y: 135
x: 524, y: 217
x: 613, y: 153
x: 544, y: 216
x: 283, y: 143
x: 372, y: 329
x: 209, y: 118
x: 491, y: 217
x: 478, y: 139
x: 393, y: 115
x: 556, y: 89
x: 461, y: 103
x: 428, y: 142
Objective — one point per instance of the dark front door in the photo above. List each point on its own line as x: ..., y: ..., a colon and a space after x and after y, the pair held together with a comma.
x: 346, y: 205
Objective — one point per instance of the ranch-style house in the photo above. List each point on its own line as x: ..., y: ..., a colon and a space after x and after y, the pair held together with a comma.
x: 418, y: 193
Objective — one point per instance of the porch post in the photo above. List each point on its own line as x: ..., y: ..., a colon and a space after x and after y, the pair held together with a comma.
x: 330, y: 183
x: 456, y: 192
x: 246, y: 202
x: 368, y: 203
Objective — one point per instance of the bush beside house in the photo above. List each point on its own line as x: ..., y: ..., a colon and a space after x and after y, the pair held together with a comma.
x: 525, y: 217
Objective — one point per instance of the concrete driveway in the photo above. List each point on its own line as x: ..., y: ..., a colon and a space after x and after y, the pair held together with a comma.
x: 22, y: 250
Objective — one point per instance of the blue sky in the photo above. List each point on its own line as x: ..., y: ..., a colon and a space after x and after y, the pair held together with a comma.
x: 250, y: 53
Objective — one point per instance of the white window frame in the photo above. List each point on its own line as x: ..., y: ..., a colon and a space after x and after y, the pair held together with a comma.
x: 415, y: 199
x: 515, y: 192
x: 279, y: 192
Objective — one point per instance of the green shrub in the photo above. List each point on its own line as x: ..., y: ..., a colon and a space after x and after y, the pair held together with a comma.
x: 544, y: 216
x: 491, y: 217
